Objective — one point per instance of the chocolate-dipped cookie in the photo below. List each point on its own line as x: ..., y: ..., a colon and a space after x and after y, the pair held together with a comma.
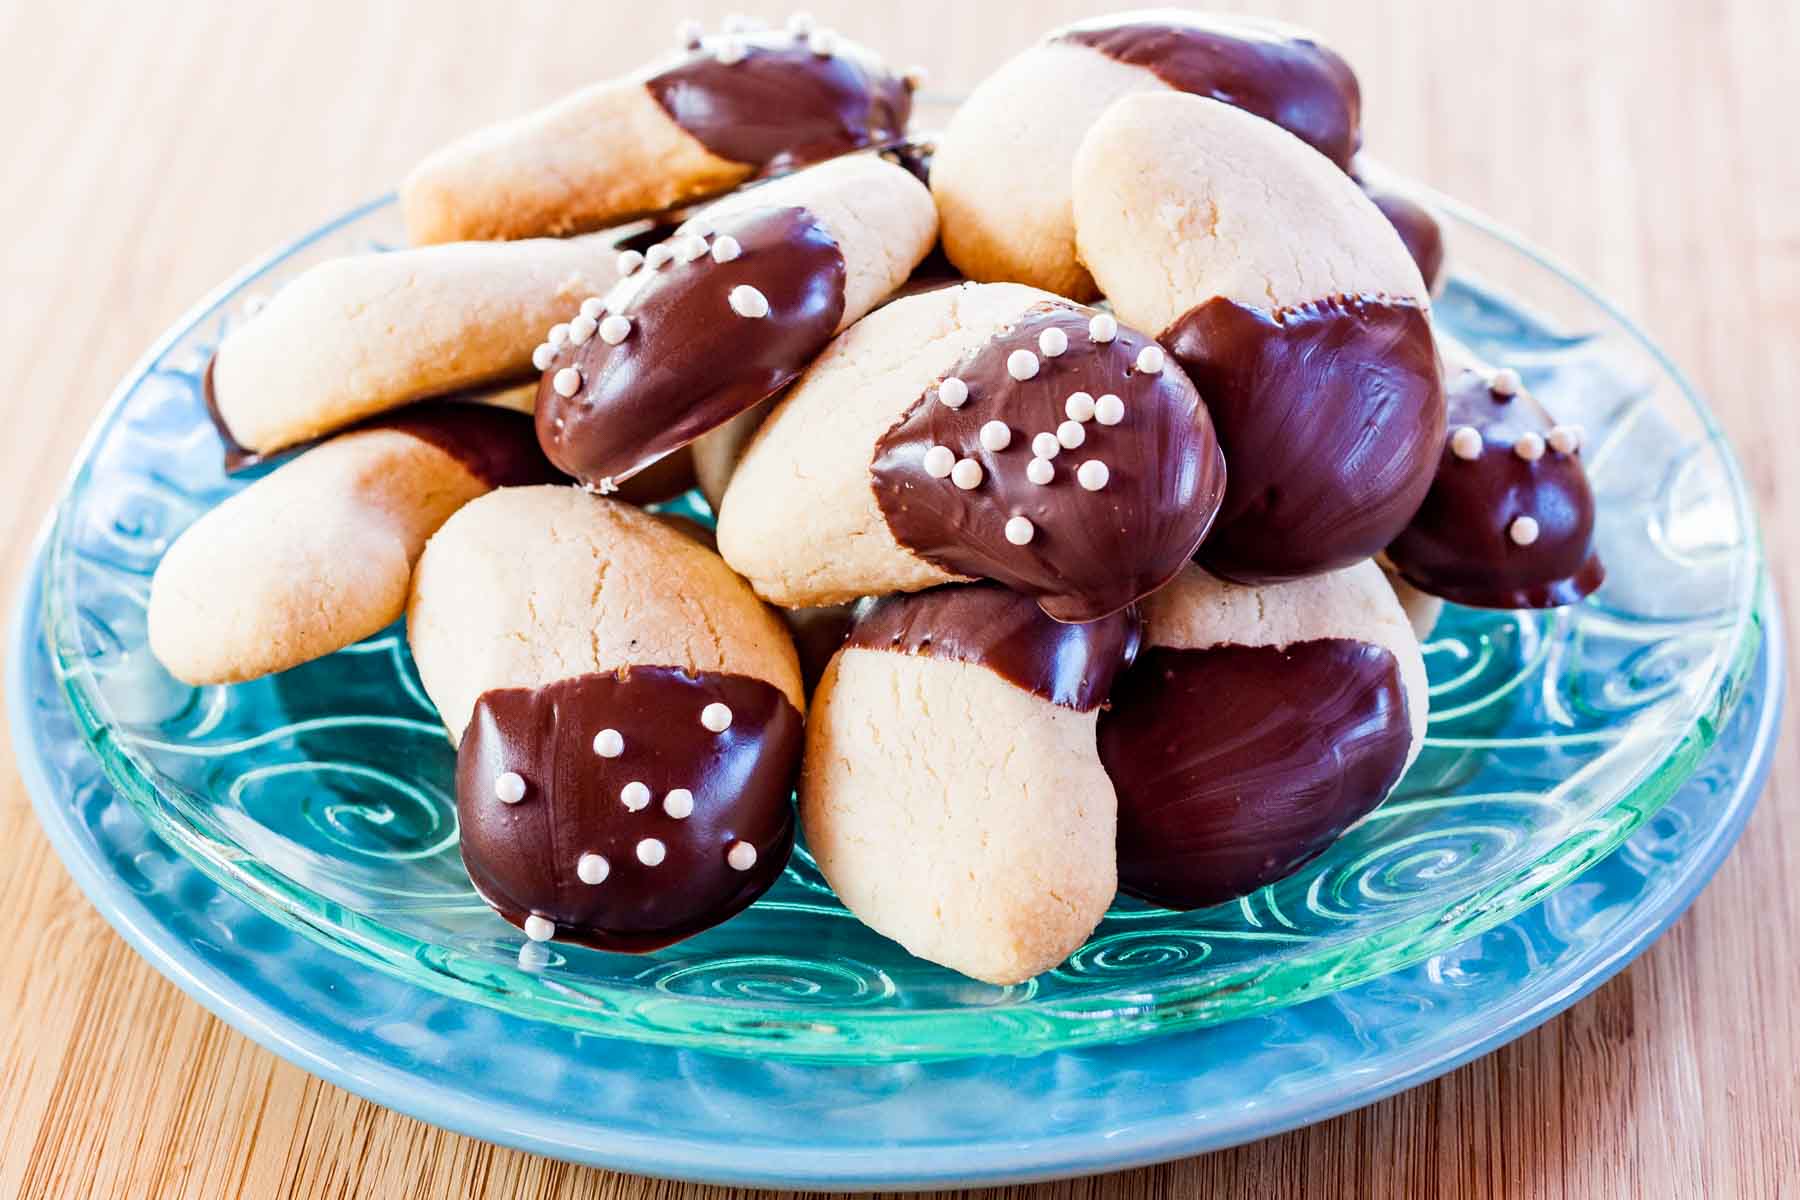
x: 1294, y: 307
x: 951, y: 792
x: 1002, y: 172
x: 318, y: 553
x: 711, y: 322
x: 727, y: 108
x: 628, y: 717
x: 1509, y: 519
x: 981, y: 431
x: 361, y: 335
x: 1257, y: 724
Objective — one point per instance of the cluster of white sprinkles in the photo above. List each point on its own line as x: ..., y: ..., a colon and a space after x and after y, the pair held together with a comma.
x: 1467, y: 444
x: 733, y: 47
x: 689, y: 245
x: 594, y: 869
x: 941, y: 462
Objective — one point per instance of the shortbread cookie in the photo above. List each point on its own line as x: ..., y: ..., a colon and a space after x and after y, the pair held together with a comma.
x: 1422, y: 611
x: 628, y: 717
x: 317, y: 554
x: 727, y: 108
x: 980, y: 431
x: 1002, y: 172
x: 361, y: 335
x: 1294, y: 307
x: 951, y: 792
x: 1509, y: 519
x: 725, y: 314
x: 1257, y: 724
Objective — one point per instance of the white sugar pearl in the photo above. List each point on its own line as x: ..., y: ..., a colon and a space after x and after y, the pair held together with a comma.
x: 741, y: 856
x: 1093, y: 475
x: 1506, y: 382
x: 559, y: 335
x: 1040, y: 471
x: 732, y: 51
x: 824, y: 42
x: 1150, y: 359
x: 716, y: 717
x: 629, y: 261
x: 1465, y: 443
x: 915, y: 77
x: 1045, y: 445
x: 1019, y: 531
x: 651, y: 852
x: 1109, y: 409
x: 1071, y: 434
x: 995, y: 436
x: 939, y: 462
x: 1103, y: 327
x: 953, y: 393
x: 657, y: 255
x: 1565, y: 439
x: 1524, y: 530
x: 726, y: 248
x: 543, y: 356
x: 581, y: 329
x: 679, y: 804
x: 966, y: 474
x: 691, y: 248
x: 609, y: 743
x: 566, y: 381
x: 690, y: 32
x: 509, y: 787
x: 1052, y: 342
x: 592, y: 868
x: 539, y: 929
x: 801, y: 24
x: 635, y: 796
x: 1079, y: 407
x: 1022, y: 365
x: 615, y: 329
x: 1529, y: 447
x: 746, y: 301
x: 592, y: 307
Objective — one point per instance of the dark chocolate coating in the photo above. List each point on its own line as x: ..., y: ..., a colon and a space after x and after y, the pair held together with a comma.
x: 981, y: 623
x: 1458, y: 544
x: 496, y: 445
x: 1273, y: 72
x: 1092, y: 553
x: 690, y: 362
x: 1331, y: 415
x: 782, y: 106
x: 522, y: 857
x: 1235, y: 764
x: 1417, y: 227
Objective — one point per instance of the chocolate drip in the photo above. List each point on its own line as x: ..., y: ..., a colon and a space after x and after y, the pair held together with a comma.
x: 1234, y: 765
x: 1276, y: 73
x: 691, y: 362
x: 1090, y: 552
x: 1331, y: 417
x: 783, y: 106
x: 1417, y: 227
x: 1070, y: 665
x: 1460, y: 545
x: 523, y: 858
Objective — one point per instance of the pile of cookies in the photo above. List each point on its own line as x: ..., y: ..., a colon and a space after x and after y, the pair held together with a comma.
x: 1056, y: 458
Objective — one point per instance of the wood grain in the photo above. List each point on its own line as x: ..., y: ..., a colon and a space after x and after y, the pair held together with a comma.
x: 151, y: 149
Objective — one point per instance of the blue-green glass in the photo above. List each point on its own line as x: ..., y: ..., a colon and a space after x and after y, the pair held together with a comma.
x: 323, y: 796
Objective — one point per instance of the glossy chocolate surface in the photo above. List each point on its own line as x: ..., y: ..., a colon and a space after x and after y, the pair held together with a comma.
x: 783, y: 106
x: 1331, y: 415
x: 988, y: 625
x: 691, y: 362
x: 1234, y: 765
x: 1274, y: 72
x: 1091, y: 552
x: 523, y: 857
x: 1417, y: 227
x: 1459, y: 545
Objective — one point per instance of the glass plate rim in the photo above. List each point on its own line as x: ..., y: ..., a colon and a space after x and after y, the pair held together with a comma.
x: 1099, y: 1017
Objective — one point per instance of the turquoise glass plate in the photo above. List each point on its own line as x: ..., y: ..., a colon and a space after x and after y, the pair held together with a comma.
x: 659, y: 1110
x: 322, y: 797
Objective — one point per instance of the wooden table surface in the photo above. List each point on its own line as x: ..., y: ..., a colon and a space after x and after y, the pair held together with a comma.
x: 153, y: 148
